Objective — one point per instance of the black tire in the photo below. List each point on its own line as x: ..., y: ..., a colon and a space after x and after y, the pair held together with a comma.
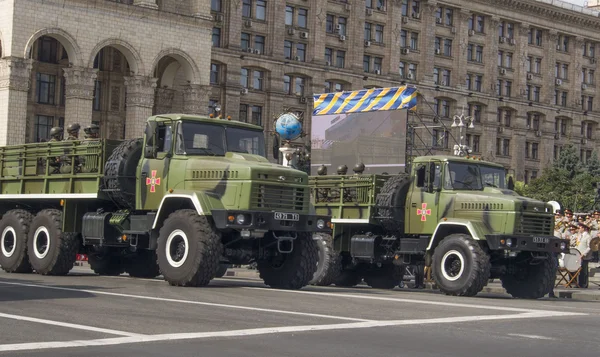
x: 329, y: 266
x: 51, y: 251
x: 348, y: 278
x: 531, y: 281
x: 387, y: 277
x: 14, y: 229
x: 195, y: 237
x: 462, y: 252
x: 143, y: 265
x: 390, y: 203
x: 106, y: 264
x: 120, y: 172
x: 291, y: 270
x: 222, y: 270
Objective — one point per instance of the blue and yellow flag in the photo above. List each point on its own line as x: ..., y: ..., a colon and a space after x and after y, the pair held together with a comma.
x: 365, y: 100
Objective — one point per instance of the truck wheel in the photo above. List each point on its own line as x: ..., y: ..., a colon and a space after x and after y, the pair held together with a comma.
x: 143, y: 265
x: 387, y: 277
x: 390, y: 203
x: 292, y: 270
x: 348, y: 278
x: 120, y: 172
x: 14, y: 227
x: 51, y: 251
x: 222, y: 270
x: 460, y: 266
x: 106, y: 264
x: 530, y: 281
x: 330, y: 261
x: 189, y: 249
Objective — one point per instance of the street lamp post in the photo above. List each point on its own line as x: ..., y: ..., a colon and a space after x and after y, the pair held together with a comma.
x: 461, y: 121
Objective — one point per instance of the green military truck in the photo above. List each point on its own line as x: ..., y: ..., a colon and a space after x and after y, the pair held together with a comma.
x: 192, y: 195
x: 454, y: 215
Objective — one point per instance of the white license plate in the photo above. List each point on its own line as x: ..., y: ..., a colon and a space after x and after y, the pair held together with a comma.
x: 541, y: 240
x: 280, y: 216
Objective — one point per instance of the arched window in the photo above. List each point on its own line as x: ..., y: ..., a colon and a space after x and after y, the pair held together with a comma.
x: 506, y: 116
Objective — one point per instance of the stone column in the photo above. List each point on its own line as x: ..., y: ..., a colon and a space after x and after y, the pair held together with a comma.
x: 520, y: 60
x: 14, y: 84
x: 163, y: 101
x: 548, y: 65
x: 195, y: 99
x: 79, y: 95
x: 201, y: 8
x: 491, y: 66
x: 140, y: 101
x: 151, y: 4
x: 427, y: 45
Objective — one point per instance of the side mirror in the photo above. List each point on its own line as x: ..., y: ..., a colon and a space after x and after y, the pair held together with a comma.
x: 511, y: 184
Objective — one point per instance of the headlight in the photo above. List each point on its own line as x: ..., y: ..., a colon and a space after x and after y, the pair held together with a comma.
x: 240, y: 219
x: 320, y: 224
x: 509, y: 243
x: 563, y: 246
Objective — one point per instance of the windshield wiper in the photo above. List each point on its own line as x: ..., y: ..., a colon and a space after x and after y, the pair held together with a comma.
x: 491, y: 184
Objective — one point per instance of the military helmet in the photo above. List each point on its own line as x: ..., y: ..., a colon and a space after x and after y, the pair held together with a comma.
x: 92, y: 129
x: 342, y: 169
x: 56, y: 131
x: 359, y: 168
x: 322, y: 171
x: 73, y: 128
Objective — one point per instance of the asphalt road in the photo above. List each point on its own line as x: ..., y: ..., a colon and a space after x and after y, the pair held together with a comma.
x: 83, y: 314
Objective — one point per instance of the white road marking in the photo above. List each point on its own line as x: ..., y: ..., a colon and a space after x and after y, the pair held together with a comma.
x: 410, y: 301
x: 271, y: 330
x: 285, y: 312
x: 68, y: 325
x: 534, y: 337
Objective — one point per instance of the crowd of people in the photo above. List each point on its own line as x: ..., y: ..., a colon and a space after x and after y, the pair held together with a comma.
x: 580, y: 229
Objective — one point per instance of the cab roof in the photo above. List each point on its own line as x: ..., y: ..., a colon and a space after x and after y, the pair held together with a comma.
x: 448, y: 158
x: 205, y: 119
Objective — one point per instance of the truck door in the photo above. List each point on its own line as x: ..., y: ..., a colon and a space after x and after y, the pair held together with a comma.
x: 154, y: 166
x: 423, y: 211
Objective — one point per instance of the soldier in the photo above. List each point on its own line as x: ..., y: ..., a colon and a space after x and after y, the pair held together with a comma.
x: 559, y: 223
x: 92, y: 132
x: 56, y: 134
x: 73, y: 131
x: 569, y: 216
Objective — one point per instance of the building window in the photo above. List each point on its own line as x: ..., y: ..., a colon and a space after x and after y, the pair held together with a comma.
x: 476, y: 23
x: 444, y: 16
x: 367, y: 63
x: 589, y: 49
x: 258, y: 80
x: 442, y: 107
x: 340, y: 59
x: 289, y: 15
x: 287, y: 84
x: 336, y: 28
x: 503, y: 88
x: 47, y: 49
x: 302, y: 18
x: 330, y: 28
x: 440, y: 139
x: 562, y: 43
x: 46, y: 85
x: 247, y: 8
x: 301, y: 52
x: 97, y: 96
x: 533, y: 121
x: 474, y: 143
x: 561, y: 70
x: 588, y: 76
x: 367, y: 33
x: 328, y: 56
x: 379, y: 33
x: 534, y: 37
x: 504, y: 117
x: 342, y: 21
x: 475, y: 53
x: 474, y: 82
x: 505, y: 59
x: 287, y: 49
x: 535, y: 151
x: 254, y: 82
x: 331, y: 86
x: 403, y: 38
x: 42, y: 126
x: 216, y: 5
x: 414, y: 41
x: 216, y: 37
x: 245, y: 44
x: 244, y: 78
x: 560, y: 98
x: 261, y: 10
x: 243, y: 113
x: 257, y: 115
x: 475, y: 111
x: 259, y: 43
x: 506, y: 29
x: 299, y: 86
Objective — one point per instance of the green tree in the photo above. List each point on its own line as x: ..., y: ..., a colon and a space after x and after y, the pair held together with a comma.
x: 569, y: 160
x: 574, y: 192
x: 593, y: 165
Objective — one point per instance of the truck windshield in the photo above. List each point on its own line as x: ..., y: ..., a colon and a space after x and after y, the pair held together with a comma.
x: 493, y: 176
x: 462, y: 176
x: 215, y: 140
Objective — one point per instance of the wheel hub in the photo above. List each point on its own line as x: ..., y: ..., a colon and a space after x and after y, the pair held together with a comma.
x: 453, y: 265
x: 9, y: 242
x: 41, y: 242
x: 177, y: 248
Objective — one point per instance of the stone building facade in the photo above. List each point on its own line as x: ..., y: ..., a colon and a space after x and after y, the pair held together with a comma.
x: 114, y: 63
x: 523, y: 69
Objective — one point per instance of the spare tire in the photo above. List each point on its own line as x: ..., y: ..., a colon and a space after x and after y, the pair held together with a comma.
x: 390, y: 203
x: 120, y: 173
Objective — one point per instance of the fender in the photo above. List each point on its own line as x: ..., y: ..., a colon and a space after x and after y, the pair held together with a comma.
x: 202, y: 202
x: 475, y: 229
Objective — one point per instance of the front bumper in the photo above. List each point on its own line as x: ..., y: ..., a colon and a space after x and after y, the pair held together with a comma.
x: 267, y: 221
x: 549, y: 244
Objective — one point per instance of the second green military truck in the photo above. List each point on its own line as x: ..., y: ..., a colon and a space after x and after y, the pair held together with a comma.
x: 193, y: 194
x: 456, y: 216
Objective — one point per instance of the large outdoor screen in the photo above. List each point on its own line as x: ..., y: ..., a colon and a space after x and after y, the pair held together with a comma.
x: 377, y: 139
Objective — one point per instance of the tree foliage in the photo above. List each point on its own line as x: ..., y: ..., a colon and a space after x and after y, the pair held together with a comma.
x: 568, y: 181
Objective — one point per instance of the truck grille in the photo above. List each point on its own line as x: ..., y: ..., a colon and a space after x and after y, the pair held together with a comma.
x: 535, y: 224
x: 276, y: 197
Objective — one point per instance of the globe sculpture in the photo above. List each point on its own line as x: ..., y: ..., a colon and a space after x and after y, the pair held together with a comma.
x: 288, y: 126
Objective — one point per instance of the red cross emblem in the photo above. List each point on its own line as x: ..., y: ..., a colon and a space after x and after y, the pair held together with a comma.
x: 423, y: 212
x: 153, y: 181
